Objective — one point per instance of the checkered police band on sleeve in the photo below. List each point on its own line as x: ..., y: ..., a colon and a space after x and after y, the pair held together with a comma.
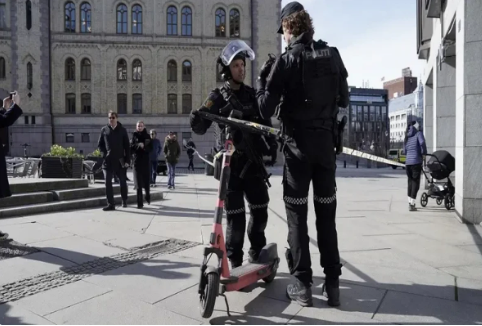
x: 234, y: 48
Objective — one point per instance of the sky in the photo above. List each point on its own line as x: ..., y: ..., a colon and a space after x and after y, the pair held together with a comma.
x: 376, y: 38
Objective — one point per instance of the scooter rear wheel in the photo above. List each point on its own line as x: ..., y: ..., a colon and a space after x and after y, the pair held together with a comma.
x: 271, y: 277
x: 208, y: 300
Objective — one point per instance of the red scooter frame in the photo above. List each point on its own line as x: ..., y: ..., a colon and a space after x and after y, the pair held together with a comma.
x: 218, y: 280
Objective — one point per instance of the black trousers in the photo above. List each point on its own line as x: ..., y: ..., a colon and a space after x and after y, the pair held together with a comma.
x: 256, y: 192
x: 191, y: 163
x: 414, y: 172
x: 142, y: 180
x: 311, y: 158
x: 109, y: 192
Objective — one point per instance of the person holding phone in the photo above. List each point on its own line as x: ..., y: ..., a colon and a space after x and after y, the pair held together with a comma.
x: 11, y: 112
x: 141, y: 146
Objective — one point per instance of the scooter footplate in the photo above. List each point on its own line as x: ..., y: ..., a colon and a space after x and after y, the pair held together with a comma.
x: 246, y: 269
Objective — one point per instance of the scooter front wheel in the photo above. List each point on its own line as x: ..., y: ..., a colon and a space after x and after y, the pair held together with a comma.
x: 211, y: 291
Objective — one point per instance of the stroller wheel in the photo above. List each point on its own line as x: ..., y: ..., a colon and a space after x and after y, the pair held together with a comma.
x: 448, y: 202
x: 424, y: 199
x: 439, y: 201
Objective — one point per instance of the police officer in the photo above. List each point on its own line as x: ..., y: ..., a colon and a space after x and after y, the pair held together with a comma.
x: 245, y: 175
x: 312, y: 80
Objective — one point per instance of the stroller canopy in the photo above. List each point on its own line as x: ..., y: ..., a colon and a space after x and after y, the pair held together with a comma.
x: 441, y: 164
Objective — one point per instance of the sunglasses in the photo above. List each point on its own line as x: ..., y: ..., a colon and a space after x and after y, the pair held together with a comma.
x: 112, y: 118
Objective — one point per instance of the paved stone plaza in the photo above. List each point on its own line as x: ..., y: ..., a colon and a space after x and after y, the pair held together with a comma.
x: 142, y: 266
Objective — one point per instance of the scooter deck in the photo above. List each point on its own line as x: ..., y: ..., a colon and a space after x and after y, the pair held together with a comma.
x: 246, y: 269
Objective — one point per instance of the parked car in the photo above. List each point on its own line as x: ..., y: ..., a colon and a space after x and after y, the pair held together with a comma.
x: 397, y: 155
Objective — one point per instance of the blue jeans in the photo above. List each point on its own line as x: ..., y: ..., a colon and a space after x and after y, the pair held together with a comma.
x: 171, y: 168
x: 154, y: 164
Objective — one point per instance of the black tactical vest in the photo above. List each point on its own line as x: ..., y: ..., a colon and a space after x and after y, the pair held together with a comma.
x: 315, y: 85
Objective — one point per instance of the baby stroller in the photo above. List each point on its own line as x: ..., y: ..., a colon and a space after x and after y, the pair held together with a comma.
x: 440, y: 165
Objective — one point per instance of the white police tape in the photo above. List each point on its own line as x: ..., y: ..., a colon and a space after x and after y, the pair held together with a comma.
x: 354, y: 152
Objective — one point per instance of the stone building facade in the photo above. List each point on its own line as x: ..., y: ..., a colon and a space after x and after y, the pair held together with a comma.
x: 151, y: 60
x: 449, y: 40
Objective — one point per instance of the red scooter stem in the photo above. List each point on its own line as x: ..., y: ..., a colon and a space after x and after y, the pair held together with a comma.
x: 217, y: 236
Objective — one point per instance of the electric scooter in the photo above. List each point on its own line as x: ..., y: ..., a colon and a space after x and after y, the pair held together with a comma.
x: 217, y: 280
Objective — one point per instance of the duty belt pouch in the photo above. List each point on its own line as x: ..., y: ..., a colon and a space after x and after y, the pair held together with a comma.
x: 340, y: 128
x: 218, y: 166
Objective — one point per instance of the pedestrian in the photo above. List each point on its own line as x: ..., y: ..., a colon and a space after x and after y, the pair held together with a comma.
x: 114, y: 145
x: 141, y: 147
x: 11, y: 112
x: 172, y: 151
x: 312, y: 79
x: 415, y: 148
x: 154, y: 156
x: 190, y: 153
x: 246, y: 178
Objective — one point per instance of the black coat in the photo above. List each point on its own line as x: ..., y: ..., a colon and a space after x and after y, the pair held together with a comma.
x: 6, y: 120
x: 140, y: 158
x: 114, y: 145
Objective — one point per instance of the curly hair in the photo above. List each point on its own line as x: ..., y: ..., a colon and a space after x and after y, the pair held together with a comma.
x: 299, y: 23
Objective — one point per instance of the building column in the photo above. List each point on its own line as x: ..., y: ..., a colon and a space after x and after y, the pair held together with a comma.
x: 445, y: 113
x: 428, y: 120
x: 468, y: 192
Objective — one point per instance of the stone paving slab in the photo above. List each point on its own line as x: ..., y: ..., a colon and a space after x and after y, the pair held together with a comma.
x: 76, y: 249
x: 114, y: 308
x: 404, y: 308
x: 246, y: 308
x: 469, y: 272
x: 33, y: 232
x: 60, y: 298
x: 153, y: 280
x: 11, y: 314
x: 435, y: 253
x: 19, y: 268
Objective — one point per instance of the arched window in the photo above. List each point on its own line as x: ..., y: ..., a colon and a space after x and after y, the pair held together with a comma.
x: 121, y: 69
x: 29, y: 14
x: 220, y: 23
x: 70, y: 103
x: 85, y: 18
x: 186, y: 21
x: 172, y: 20
x: 137, y: 103
x: 3, y: 70
x: 172, y: 71
x: 85, y: 103
x: 122, y: 103
x: 29, y: 76
x: 69, y: 17
x: 234, y: 23
x: 70, y: 69
x: 172, y: 103
x: 186, y: 71
x: 137, y: 70
x: 85, y: 69
x: 186, y: 103
x: 122, y: 19
x: 136, y: 19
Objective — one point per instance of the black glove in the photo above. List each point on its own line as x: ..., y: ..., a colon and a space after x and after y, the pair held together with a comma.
x: 273, y: 150
x: 266, y: 69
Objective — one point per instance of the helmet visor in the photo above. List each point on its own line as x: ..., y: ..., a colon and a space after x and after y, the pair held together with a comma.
x: 233, y: 49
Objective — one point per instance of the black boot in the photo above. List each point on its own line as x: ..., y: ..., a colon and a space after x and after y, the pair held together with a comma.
x: 109, y: 208
x: 300, y: 293
x: 331, y: 289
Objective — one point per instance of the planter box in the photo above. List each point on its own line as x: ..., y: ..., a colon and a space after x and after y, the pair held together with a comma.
x: 99, y: 175
x: 62, y: 168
